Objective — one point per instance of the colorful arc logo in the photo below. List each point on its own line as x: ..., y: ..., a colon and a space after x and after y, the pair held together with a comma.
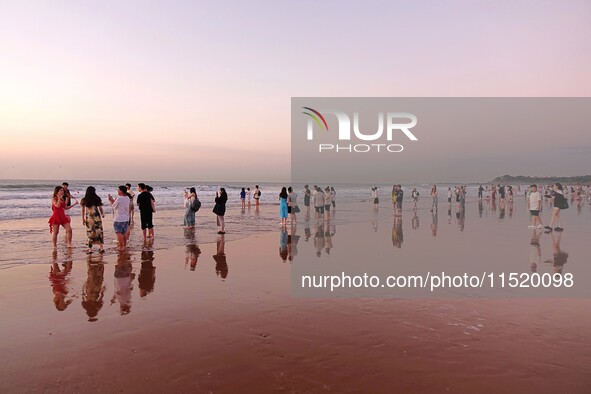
x: 313, y: 116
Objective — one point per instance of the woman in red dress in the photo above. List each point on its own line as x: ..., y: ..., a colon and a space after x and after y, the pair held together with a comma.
x: 59, y: 217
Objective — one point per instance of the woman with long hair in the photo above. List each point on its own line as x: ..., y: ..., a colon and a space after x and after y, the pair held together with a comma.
x: 283, y: 206
x: 190, y: 198
x: 58, y: 217
x: 434, y: 198
x: 92, y: 218
x: 560, y: 202
x: 220, y: 209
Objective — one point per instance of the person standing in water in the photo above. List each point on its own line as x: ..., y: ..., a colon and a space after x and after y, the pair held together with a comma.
x: 283, y: 206
x: 145, y: 202
x: 121, y: 208
x: 59, y: 218
x: 292, y: 201
x: 434, y: 194
x: 190, y: 197
x: 92, y: 218
x: 307, y: 195
x: 220, y: 209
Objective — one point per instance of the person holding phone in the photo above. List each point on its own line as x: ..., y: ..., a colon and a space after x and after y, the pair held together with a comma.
x: 220, y: 209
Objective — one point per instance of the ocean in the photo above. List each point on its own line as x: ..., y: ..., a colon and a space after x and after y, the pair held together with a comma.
x: 22, y: 199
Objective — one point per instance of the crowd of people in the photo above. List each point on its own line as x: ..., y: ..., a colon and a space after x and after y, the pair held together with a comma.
x: 322, y: 200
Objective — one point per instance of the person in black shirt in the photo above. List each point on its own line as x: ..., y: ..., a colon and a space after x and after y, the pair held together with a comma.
x: 219, y: 209
x: 146, y: 204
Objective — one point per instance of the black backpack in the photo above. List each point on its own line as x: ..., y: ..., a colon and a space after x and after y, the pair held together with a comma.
x: 195, y: 205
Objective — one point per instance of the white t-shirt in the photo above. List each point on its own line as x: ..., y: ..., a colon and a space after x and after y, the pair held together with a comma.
x: 534, y: 198
x: 121, y: 209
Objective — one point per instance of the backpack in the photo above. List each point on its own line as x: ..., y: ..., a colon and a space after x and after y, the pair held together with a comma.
x: 259, y: 193
x: 195, y: 205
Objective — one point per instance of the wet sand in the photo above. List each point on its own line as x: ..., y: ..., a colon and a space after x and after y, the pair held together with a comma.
x: 232, y: 325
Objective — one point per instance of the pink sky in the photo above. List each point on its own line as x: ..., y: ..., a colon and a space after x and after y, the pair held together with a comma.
x: 201, y: 90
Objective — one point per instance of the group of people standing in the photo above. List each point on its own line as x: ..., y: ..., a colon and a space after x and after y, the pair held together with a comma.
x: 93, y: 214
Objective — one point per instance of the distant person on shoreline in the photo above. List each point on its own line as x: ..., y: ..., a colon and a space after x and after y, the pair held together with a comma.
x: 535, y: 205
x: 374, y: 196
x: 292, y: 205
x: 560, y: 202
x: 121, y: 222
x: 220, y: 209
x: 480, y: 190
x: 318, y: 202
x: 415, y: 197
x: 283, y: 206
x: 248, y: 195
x: 190, y: 205
x: 399, y: 198
x: 131, y: 205
x: 92, y: 218
x: 147, y: 207
x: 333, y: 197
x: 434, y: 194
x: 59, y: 218
x: 327, y: 201
x: 257, y: 195
x: 243, y: 198
x: 307, y: 195
x: 67, y: 194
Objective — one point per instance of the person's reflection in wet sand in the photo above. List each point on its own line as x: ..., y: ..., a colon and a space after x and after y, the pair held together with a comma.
x: 93, y: 290
x: 283, y: 244
x: 480, y: 208
x: 192, y: 253
x: 559, y: 256
x: 449, y: 215
x: 397, y: 237
x: 328, y: 238
x: 510, y: 209
x: 319, y: 241
x: 221, y: 265
x: 292, y: 243
x: 535, y: 252
x: 123, y: 282
x: 415, y: 220
x: 434, y: 224
x: 375, y: 218
x: 59, y: 278
x: 493, y: 206
x: 147, y: 277
x: 502, y: 206
x: 461, y: 219
x: 307, y: 232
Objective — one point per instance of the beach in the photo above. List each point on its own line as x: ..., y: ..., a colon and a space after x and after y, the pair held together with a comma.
x: 218, y: 314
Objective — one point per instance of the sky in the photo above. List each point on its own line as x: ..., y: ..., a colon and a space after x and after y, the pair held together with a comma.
x: 190, y: 90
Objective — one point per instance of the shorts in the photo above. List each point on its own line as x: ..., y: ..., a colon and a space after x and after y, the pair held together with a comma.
x: 288, y: 209
x: 449, y: 199
x: 334, y: 204
x: 146, y: 219
x: 399, y: 204
x: 320, y: 209
x: 534, y: 212
x: 327, y: 208
x: 376, y: 200
x: 120, y: 227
